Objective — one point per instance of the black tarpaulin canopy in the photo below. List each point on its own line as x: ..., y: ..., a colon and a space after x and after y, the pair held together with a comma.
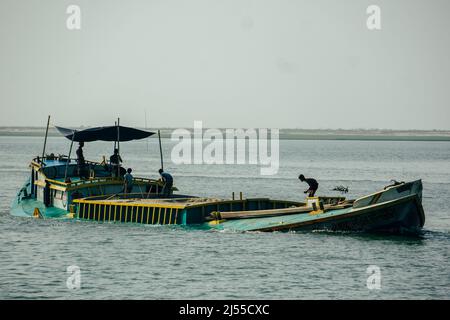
x: 111, y: 133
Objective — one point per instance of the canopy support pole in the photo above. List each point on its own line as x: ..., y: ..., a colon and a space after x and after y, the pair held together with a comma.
x: 118, y: 147
x: 160, y: 150
x: 45, y: 140
x: 68, y: 159
x: 115, y: 141
x: 145, y: 113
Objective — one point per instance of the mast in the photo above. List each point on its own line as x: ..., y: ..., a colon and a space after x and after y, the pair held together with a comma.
x: 45, y: 140
x: 118, y: 148
x: 160, y: 150
x: 68, y: 158
x: 145, y: 113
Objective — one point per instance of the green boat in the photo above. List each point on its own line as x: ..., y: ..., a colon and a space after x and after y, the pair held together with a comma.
x: 54, y: 189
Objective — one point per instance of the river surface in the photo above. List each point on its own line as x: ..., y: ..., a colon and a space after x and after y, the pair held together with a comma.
x: 118, y: 261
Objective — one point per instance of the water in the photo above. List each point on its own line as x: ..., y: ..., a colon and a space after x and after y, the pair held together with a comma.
x: 155, y: 262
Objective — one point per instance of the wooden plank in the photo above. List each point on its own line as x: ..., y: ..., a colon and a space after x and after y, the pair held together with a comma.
x: 275, y: 212
x: 262, y: 213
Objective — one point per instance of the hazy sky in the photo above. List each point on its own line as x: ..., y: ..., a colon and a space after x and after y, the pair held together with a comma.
x: 230, y: 63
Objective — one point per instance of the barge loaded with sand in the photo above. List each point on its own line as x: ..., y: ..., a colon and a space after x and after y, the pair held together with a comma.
x: 55, y: 189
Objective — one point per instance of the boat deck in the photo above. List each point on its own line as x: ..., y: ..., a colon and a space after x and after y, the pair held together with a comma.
x: 181, y: 202
x: 179, y: 209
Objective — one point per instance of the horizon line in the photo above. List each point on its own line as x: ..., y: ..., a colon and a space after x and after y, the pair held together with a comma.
x: 222, y: 128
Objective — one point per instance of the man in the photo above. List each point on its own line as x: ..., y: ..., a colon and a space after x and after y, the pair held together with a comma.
x: 47, y: 194
x: 168, y: 183
x: 313, y: 185
x: 115, y: 160
x: 81, y: 163
x: 128, y: 181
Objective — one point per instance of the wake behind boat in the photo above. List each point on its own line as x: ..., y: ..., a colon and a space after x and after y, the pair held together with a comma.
x: 59, y: 187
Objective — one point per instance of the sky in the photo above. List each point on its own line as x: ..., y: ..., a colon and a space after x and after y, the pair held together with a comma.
x: 229, y: 63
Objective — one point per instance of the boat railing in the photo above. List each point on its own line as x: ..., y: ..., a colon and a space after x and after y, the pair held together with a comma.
x: 390, y: 192
x: 138, y: 196
x: 63, y: 158
x: 92, y: 181
x: 70, y: 184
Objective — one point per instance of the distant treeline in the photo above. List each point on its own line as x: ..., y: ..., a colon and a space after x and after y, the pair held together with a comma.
x: 288, y: 134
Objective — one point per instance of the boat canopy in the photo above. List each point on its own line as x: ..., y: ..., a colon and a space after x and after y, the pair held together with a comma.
x: 111, y: 133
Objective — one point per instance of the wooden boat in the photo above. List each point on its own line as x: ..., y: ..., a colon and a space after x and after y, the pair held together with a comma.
x: 397, y: 209
x: 54, y: 181
x: 54, y: 190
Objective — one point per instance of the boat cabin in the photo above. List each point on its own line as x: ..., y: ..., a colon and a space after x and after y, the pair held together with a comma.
x: 55, y: 181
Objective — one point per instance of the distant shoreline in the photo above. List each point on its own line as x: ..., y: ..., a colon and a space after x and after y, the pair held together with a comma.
x: 285, y: 134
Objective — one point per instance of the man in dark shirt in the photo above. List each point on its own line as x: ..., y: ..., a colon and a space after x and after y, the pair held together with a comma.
x: 168, y: 183
x: 80, y: 156
x: 81, y: 163
x: 115, y: 160
x: 313, y: 185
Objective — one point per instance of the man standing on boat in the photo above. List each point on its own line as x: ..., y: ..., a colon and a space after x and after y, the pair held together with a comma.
x: 115, y: 160
x: 80, y: 160
x: 313, y: 185
x: 168, y: 183
x: 128, y: 181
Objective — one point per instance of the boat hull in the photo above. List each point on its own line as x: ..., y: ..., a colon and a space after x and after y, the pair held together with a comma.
x: 395, y: 209
x: 404, y: 215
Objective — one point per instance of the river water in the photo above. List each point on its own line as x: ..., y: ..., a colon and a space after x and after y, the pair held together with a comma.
x: 120, y: 261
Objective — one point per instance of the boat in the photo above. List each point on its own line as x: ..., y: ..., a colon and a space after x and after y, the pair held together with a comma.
x: 395, y: 209
x: 55, y: 190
